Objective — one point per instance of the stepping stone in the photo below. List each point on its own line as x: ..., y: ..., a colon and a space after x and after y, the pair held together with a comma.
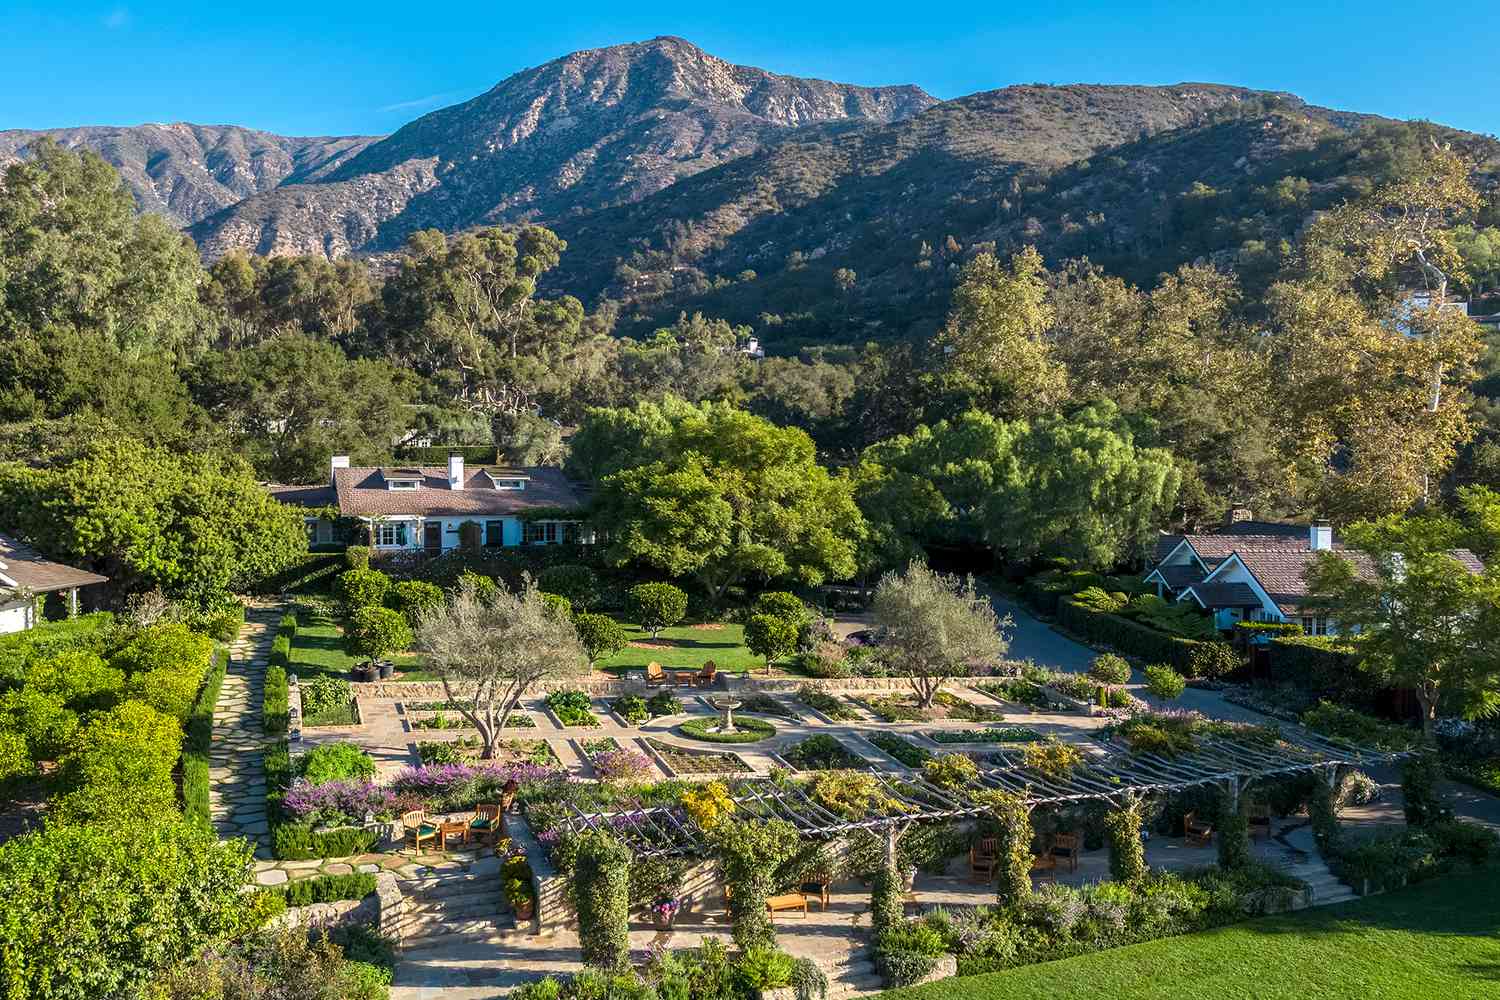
x: 368, y: 869
x: 271, y: 876
x: 337, y: 868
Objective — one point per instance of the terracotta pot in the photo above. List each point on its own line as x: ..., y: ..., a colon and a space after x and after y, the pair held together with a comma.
x: 524, y: 909
x: 663, y: 922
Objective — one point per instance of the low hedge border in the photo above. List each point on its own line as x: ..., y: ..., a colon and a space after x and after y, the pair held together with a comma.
x: 758, y: 729
x: 1189, y: 657
x: 276, y: 694
x: 327, y: 889
x: 199, y: 737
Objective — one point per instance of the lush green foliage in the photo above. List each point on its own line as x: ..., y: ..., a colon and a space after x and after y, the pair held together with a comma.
x: 771, y: 637
x: 749, y: 854
x: 195, y: 750
x: 335, y: 762
x: 600, y: 634
x: 748, y: 730
x: 119, y: 768
x: 603, y: 895
x: 326, y: 889
x: 414, y: 599
x: 1164, y: 682
x: 376, y: 631
x: 657, y: 606
x: 361, y: 588
x: 579, y: 584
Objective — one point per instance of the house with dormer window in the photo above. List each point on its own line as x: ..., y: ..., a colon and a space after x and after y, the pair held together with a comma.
x: 1256, y: 570
x: 434, y: 508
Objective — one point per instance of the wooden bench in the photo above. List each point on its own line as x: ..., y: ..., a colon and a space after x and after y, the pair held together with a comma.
x: 787, y: 901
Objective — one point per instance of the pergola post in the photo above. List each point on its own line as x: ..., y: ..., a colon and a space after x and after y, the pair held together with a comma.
x: 72, y: 602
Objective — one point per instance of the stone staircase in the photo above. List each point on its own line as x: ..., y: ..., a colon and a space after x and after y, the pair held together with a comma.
x: 1324, y: 886
x: 854, y: 975
x: 445, y: 906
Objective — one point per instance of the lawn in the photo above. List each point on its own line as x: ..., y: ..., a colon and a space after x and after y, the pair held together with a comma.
x: 318, y: 648
x: 687, y: 647
x: 1434, y: 940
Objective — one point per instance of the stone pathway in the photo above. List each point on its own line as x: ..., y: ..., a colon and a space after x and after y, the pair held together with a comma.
x: 237, y: 780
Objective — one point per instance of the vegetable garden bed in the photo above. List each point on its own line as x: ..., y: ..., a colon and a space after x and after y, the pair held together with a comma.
x: 679, y: 761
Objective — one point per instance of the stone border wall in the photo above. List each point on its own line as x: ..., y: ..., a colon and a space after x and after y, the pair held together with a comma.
x: 611, y: 687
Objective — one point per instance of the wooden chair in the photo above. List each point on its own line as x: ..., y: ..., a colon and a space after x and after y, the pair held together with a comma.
x: 486, y: 821
x: 1067, y: 847
x: 786, y: 901
x: 1259, y: 820
x: 984, y: 860
x: 816, y: 888
x: 418, y: 829
x: 655, y: 675
x: 708, y: 674
x: 1196, y: 832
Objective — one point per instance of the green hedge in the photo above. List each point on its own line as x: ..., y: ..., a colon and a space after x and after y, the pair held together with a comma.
x: 312, y: 573
x: 200, y: 732
x: 88, y: 632
x: 1325, y: 666
x: 327, y: 889
x: 276, y: 696
x: 1189, y: 657
x: 297, y: 842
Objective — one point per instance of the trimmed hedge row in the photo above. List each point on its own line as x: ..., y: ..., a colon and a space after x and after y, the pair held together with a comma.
x: 276, y: 696
x: 314, y: 572
x: 481, y: 454
x: 1323, y: 666
x: 1189, y: 657
x: 327, y: 889
x: 295, y: 841
x: 200, y: 731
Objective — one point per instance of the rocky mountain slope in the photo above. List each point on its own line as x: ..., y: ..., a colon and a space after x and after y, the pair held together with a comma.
x: 591, y: 130
x: 188, y: 172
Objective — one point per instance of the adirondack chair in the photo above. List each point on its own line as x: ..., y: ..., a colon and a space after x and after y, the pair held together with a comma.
x: 655, y: 675
x: 708, y: 674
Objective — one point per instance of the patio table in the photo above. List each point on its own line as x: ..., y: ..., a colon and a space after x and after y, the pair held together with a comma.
x: 448, y: 828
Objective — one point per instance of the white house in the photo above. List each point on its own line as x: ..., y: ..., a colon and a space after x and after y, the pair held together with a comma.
x: 424, y: 508
x: 26, y: 576
x: 1256, y: 571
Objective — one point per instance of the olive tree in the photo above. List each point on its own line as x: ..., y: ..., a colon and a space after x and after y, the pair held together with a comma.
x: 935, y: 627
x: 490, y: 649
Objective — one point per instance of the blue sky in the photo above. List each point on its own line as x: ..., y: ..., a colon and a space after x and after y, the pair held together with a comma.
x: 323, y: 67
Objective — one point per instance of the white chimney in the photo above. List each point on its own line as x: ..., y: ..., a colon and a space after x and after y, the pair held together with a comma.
x: 1320, y: 536
x: 455, y: 472
x: 335, y: 464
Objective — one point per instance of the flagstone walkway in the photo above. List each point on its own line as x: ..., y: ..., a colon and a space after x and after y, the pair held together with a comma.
x: 237, y: 779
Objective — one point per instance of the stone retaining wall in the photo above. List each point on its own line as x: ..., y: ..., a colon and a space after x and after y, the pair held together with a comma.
x: 610, y: 687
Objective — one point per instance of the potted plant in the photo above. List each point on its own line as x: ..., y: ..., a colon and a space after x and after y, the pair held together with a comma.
x: 521, y: 901
x: 387, y: 670
x: 664, y: 912
x: 364, y: 671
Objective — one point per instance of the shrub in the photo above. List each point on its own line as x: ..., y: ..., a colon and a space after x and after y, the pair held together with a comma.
x: 622, y: 765
x: 827, y: 660
x: 577, y: 583
x: 326, y: 701
x: 1419, y: 789
x: 165, y: 665
x: 950, y: 770
x: 328, y: 889
x: 275, y: 707
x: 1108, y: 668
x: 821, y: 753
x: 335, y: 762
x: 298, y: 842
x: 749, y: 855
x: 780, y: 604
x: 376, y: 632
x: 414, y: 599
x: 572, y: 708
x: 104, y: 911
x: 600, y: 634
x: 602, y: 877
x: 763, y: 968
x: 664, y: 703
x: 80, y: 677
x: 657, y: 606
x: 1127, y: 855
x: 120, y: 767
x: 632, y: 708
x: 770, y: 637
x: 1348, y: 726
x: 357, y: 557
x: 749, y: 730
x: 42, y: 721
x: 1212, y: 660
x: 1164, y: 682
x: 361, y: 588
x: 1135, y: 639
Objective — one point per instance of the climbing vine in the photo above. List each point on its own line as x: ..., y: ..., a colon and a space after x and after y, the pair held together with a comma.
x: 1127, y: 855
x: 602, y: 883
x: 749, y: 854
x: 1013, y: 816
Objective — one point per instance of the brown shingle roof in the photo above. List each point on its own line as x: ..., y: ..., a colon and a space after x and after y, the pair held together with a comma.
x: 303, y: 496
x: 1225, y: 595
x: 1282, y: 572
x: 23, y: 566
x: 1178, y: 577
x: 363, y: 493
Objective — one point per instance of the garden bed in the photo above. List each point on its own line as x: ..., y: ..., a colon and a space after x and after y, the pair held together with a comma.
x: 678, y: 761
x: 440, y: 721
x: 829, y: 707
x: 899, y: 748
x: 896, y: 708
x: 746, y: 730
x: 633, y: 710
x: 992, y: 734
x: 571, y: 708
x: 507, y: 752
x: 759, y: 704
x: 823, y: 753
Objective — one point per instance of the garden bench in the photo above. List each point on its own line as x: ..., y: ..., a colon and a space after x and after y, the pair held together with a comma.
x: 1196, y: 832
x: 1066, y: 847
x: 787, y: 901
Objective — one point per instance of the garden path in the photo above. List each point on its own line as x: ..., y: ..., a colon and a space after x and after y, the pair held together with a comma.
x: 237, y: 780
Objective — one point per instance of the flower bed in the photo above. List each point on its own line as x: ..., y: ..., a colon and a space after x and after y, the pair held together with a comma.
x: 1001, y: 734
x: 747, y: 730
x: 900, y: 748
x: 454, y: 787
x: 764, y: 704
x: 823, y: 753
x: 895, y: 708
x: 1017, y: 691
x: 961, y: 708
x: 463, y: 751
x: 680, y: 761
x: 441, y: 721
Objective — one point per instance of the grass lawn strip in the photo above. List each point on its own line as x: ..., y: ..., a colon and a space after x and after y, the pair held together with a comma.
x: 1437, y: 939
x: 318, y: 648
x: 686, y: 647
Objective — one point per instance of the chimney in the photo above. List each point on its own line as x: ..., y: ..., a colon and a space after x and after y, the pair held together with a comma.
x: 1237, y: 514
x: 1320, y: 536
x: 455, y: 472
x: 335, y: 464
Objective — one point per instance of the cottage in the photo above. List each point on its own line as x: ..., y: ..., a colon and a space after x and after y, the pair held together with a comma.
x: 26, y: 576
x: 1255, y: 570
x: 434, y: 508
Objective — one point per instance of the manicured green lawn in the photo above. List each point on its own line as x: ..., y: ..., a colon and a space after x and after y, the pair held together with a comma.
x: 687, y: 647
x: 1437, y: 939
x: 318, y: 648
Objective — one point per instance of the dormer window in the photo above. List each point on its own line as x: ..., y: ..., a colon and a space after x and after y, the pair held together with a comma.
x: 402, y: 479
x: 507, y: 480
x: 402, y: 484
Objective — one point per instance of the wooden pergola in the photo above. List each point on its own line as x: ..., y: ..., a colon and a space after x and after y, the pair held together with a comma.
x: 1109, y: 774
